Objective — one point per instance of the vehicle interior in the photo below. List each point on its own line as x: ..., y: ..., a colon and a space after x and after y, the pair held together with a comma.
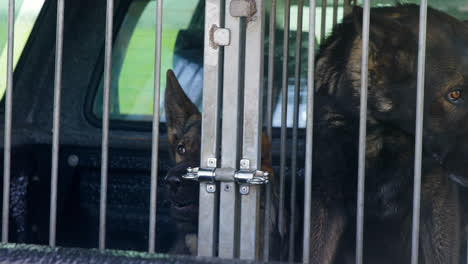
x: 131, y: 107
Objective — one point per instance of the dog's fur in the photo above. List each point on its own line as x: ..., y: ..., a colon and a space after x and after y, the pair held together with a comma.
x: 393, y: 53
x: 184, y: 131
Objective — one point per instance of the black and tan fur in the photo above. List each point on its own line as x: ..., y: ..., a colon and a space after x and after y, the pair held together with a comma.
x: 390, y: 138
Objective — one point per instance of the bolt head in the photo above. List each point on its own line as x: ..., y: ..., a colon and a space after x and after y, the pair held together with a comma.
x: 244, y: 190
x: 211, y: 188
x: 212, y: 162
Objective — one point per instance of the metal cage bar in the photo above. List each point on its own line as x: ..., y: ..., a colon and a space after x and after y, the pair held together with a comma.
x: 250, y: 203
x: 419, y: 131
x: 105, y: 123
x: 284, y: 109
x: 309, y: 134
x: 232, y: 105
x: 335, y: 12
x: 56, y: 121
x: 323, y: 20
x: 155, y: 134
x: 297, y: 90
x: 271, y: 68
x: 362, y: 132
x: 269, y: 116
x: 8, y: 117
x: 208, y: 212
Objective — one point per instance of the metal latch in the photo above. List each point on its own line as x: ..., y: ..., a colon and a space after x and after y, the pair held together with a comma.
x: 209, y: 175
x: 243, y: 176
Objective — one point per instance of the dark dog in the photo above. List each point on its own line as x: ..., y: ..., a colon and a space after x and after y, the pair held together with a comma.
x: 184, y: 131
x: 390, y: 138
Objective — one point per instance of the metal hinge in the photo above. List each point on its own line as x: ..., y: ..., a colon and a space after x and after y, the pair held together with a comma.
x: 244, y: 176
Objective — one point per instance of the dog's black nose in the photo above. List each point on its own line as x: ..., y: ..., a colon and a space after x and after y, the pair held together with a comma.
x: 174, y: 182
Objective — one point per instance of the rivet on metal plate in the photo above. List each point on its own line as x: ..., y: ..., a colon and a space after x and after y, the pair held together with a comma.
x: 222, y: 36
x: 245, y: 164
x: 211, y: 162
x: 211, y: 188
x: 244, y: 190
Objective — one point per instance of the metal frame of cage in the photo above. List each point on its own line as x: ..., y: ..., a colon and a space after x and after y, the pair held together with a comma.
x: 242, y: 71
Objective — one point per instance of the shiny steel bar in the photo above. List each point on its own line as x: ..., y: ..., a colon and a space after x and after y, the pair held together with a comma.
x: 323, y: 19
x: 309, y: 134
x: 271, y: 67
x: 271, y: 70
x: 155, y: 139
x: 105, y: 123
x: 335, y: 12
x: 284, y: 109
x: 419, y: 131
x: 252, y: 132
x: 297, y: 90
x: 56, y: 125
x: 362, y: 132
x: 208, y: 212
x: 8, y: 114
x: 231, y: 139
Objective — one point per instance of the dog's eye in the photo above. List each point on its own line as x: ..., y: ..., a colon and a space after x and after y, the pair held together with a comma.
x: 181, y: 149
x: 454, y: 95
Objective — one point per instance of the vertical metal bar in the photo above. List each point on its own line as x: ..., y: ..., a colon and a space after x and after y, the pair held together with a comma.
x: 271, y: 70
x: 8, y: 114
x: 324, y: 19
x: 267, y: 227
x: 208, y: 209
x: 271, y: 67
x: 228, y: 209
x: 335, y: 12
x: 284, y: 110
x: 362, y: 132
x: 297, y: 86
x: 419, y: 130
x: 155, y: 139
x: 309, y: 134
x: 105, y: 123
x: 251, y: 151
x: 56, y: 125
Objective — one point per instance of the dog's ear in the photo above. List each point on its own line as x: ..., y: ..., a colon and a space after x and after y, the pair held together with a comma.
x: 179, y: 109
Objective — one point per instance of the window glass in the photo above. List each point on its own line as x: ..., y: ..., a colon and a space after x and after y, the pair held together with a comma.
x: 182, y: 51
x: 133, y: 57
x: 276, y: 118
x: 26, y: 12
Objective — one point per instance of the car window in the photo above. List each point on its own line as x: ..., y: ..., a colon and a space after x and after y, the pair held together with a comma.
x: 133, y: 57
x: 26, y: 12
x: 182, y: 51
